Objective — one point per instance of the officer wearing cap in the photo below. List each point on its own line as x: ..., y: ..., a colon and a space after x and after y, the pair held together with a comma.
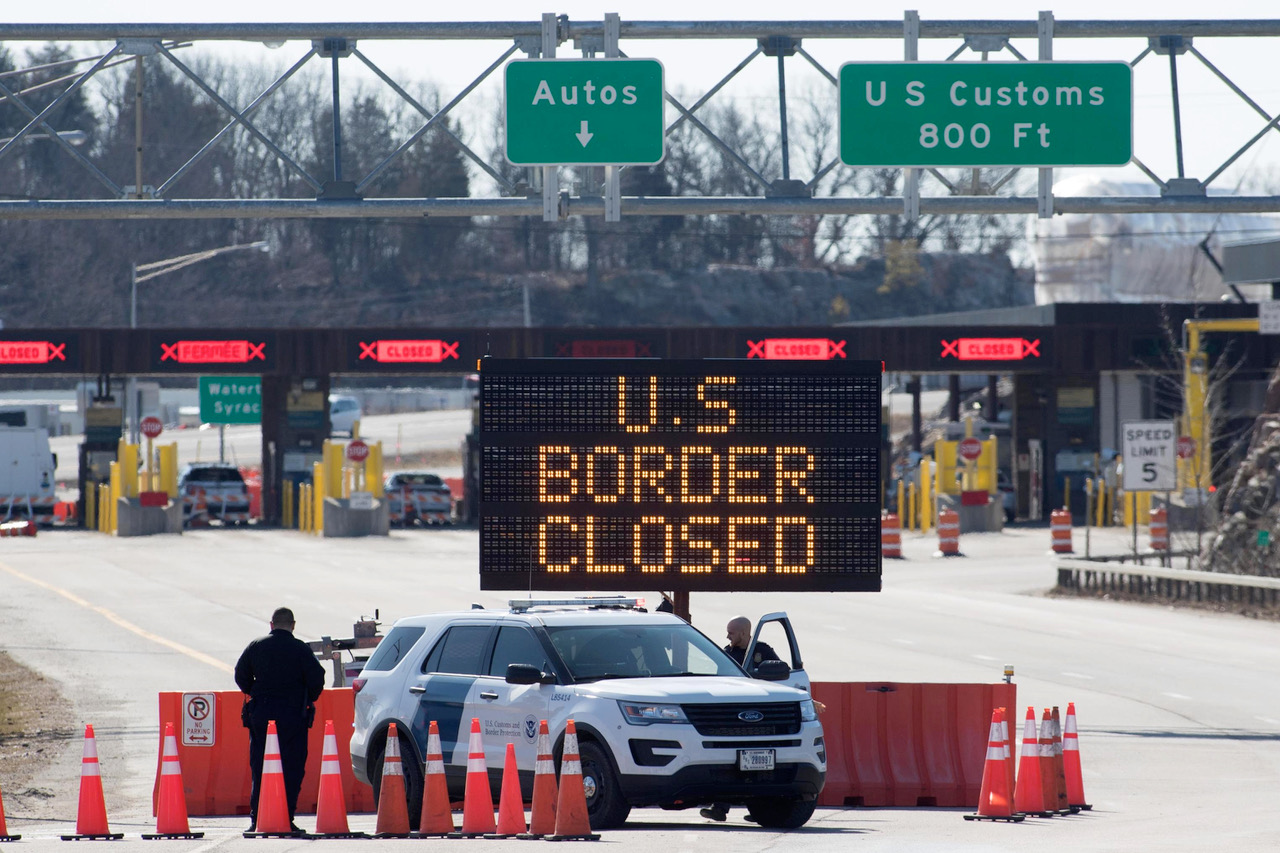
x: 282, y: 679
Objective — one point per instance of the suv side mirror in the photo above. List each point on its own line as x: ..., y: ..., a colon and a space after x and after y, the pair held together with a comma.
x: 772, y: 670
x: 523, y: 673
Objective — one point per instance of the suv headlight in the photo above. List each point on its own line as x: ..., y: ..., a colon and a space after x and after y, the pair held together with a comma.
x: 642, y: 715
x: 808, y: 713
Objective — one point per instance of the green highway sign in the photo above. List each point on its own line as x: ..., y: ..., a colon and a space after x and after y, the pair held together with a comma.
x: 976, y: 114
x: 231, y: 399
x: 585, y: 112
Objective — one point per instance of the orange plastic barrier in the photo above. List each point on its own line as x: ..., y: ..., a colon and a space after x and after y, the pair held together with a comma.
x: 216, y: 778
x: 1060, y: 531
x: 949, y: 533
x: 253, y: 485
x: 891, y: 744
x: 1159, y: 529
x: 455, y: 485
x: 890, y: 537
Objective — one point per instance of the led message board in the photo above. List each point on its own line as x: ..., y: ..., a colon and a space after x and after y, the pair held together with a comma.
x: 45, y: 354
x: 616, y: 474
x: 179, y: 352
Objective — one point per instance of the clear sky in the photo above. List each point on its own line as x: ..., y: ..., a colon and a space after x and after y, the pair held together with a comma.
x: 1215, y: 121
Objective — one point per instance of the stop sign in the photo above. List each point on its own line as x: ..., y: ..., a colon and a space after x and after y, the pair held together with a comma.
x: 151, y: 426
x: 1186, y: 447
x: 357, y: 451
x: 970, y: 448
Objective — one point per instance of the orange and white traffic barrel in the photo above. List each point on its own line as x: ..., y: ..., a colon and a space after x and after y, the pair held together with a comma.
x: 1060, y: 531
x: 1159, y: 529
x: 948, y: 533
x: 890, y: 537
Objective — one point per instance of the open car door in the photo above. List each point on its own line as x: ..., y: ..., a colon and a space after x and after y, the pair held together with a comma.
x: 778, y: 633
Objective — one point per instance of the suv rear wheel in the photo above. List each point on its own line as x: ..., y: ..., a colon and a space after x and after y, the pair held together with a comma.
x: 779, y: 813
x: 606, y: 809
x: 412, y: 780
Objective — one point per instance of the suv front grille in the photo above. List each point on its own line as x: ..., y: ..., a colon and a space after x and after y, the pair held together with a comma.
x: 779, y: 718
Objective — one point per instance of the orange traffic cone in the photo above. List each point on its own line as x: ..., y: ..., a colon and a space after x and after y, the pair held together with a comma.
x: 542, y: 817
x: 393, y: 808
x: 572, y: 823
x: 1059, y: 771
x: 331, y: 804
x: 995, y: 802
x: 91, y: 820
x: 171, y: 810
x: 511, y: 801
x: 4, y: 829
x: 477, y: 806
x: 437, y: 818
x: 1070, y: 762
x: 1029, y: 796
x: 1047, y: 783
x: 1008, y: 752
x: 273, y: 807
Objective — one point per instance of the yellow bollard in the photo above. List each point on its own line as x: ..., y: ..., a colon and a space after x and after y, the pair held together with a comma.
x: 1066, y: 493
x: 286, y: 505
x: 319, y: 490
x: 373, y: 471
x: 89, y: 517
x: 902, y: 499
x: 911, y: 507
x: 169, y: 470
x: 928, y: 489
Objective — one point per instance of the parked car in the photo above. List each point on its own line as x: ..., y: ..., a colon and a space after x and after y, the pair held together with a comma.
x: 213, y: 491
x: 344, y: 411
x: 664, y: 717
x: 419, y: 496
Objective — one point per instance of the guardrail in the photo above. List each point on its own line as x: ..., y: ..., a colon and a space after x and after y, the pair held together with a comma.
x: 1092, y: 576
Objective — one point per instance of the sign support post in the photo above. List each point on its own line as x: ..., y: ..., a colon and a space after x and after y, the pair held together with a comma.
x: 550, y: 174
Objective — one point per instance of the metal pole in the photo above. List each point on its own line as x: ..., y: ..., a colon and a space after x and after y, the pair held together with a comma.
x: 131, y: 392
x: 1177, y: 112
x: 222, y: 442
x: 137, y: 127
x: 337, y: 121
x: 782, y: 115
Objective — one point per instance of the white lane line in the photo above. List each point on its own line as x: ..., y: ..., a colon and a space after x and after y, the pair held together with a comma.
x: 983, y: 657
x: 834, y: 627
x: 1077, y: 675
x: 1175, y: 695
x: 904, y: 642
x: 122, y: 622
x: 1268, y: 720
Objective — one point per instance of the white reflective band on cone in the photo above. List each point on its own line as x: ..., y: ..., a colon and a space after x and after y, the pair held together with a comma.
x: 330, y: 744
x: 90, y: 768
x: 544, y: 765
x: 330, y: 766
x: 392, y: 768
x: 170, y: 768
x: 476, y: 765
x: 90, y: 749
x: 272, y: 765
x: 995, y: 752
x: 571, y: 767
x: 435, y: 765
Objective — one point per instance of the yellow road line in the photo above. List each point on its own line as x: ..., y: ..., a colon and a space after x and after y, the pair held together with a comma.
x: 121, y: 621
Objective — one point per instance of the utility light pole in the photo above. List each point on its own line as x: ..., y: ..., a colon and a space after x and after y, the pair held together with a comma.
x: 154, y: 270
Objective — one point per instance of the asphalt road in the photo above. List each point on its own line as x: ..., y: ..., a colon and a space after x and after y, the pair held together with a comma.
x: 1179, y: 710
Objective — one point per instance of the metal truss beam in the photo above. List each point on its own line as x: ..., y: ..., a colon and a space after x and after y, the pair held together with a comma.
x: 780, y: 197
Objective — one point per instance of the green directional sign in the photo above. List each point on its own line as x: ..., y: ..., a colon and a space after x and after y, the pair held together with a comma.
x: 986, y: 114
x: 593, y: 112
x: 231, y: 399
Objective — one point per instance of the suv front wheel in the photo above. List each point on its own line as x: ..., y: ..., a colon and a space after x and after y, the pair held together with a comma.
x: 780, y: 813
x: 412, y: 780
x: 606, y: 809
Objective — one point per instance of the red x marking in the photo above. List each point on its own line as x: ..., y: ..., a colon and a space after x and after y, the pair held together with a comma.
x: 257, y: 351
x: 448, y: 350
x: 563, y: 350
x: 837, y: 350
x: 367, y: 350
x: 951, y: 348
x: 57, y: 351
x: 1030, y: 348
x: 755, y: 349
x: 168, y: 351
x: 643, y: 351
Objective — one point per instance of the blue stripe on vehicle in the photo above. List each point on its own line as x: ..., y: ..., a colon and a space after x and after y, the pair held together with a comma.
x: 443, y: 702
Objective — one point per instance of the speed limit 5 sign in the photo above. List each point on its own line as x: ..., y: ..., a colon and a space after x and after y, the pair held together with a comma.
x: 1150, y: 456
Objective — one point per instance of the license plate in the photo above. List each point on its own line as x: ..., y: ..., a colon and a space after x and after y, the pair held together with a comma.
x: 755, y: 759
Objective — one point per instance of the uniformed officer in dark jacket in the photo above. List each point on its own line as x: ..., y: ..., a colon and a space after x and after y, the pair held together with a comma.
x: 282, y: 679
x: 738, y: 633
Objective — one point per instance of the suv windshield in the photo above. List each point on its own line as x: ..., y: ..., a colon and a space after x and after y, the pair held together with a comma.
x: 214, y: 475
x: 592, y: 652
x: 416, y: 480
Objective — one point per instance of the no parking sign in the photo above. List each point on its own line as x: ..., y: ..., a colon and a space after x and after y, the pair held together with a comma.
x: 198, y: 719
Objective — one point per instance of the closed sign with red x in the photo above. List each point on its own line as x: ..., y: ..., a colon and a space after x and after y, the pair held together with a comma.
x: 207, y: 352
x: 33, y: 353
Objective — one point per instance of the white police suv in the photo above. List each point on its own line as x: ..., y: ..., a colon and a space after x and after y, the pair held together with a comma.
x: 664, y: 717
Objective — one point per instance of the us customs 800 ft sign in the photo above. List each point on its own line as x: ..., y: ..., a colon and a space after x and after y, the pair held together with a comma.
x: 986, y: 114
x: 679, y: 475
